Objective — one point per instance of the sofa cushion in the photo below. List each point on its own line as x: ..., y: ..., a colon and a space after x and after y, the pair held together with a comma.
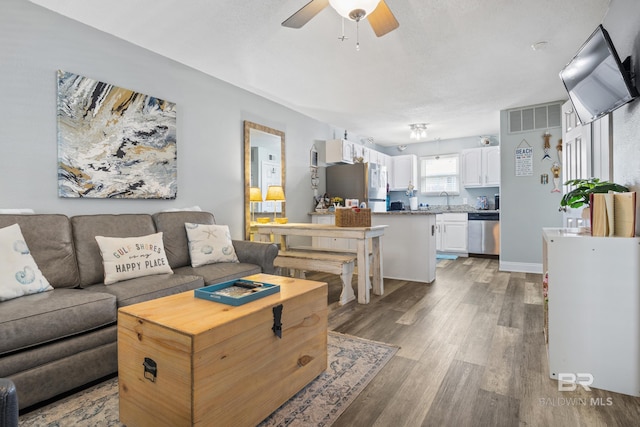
x: 87, y: 227
x: 175, y: 239
x: 19, y: 273
x: 145, y: 288
x: 50, y: 242
x: 48, y: 316
x: 128, y: 257
x: 220, y: 272
x: 209, y: 243
x: 34, y: 357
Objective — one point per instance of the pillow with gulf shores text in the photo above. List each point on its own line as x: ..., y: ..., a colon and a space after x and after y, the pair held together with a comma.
x: 129, y: 257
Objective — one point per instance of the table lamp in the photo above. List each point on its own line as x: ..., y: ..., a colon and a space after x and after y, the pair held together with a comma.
x: 255, y: 195
x: 275, y: 193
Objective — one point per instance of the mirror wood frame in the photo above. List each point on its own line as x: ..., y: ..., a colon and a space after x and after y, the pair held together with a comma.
x: 247, y: 169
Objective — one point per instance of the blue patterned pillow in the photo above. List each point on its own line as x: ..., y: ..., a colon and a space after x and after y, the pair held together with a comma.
x: 209, y: 244
x: 19, y: 274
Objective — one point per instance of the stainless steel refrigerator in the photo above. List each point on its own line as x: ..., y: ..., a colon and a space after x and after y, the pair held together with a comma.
x: 366, y: 182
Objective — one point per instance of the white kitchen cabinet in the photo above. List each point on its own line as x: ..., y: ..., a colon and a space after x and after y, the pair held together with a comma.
x: 376, y: 157
x: 383, y: 160
x: 452, y: 232
x: 471, y: 160
x: 339, y: 151
x: 362, y: 152
x: 491, y: 166
x: 330, y: 242
x: 404, y: 170
x: 592, y: 317
x: 481, y: 167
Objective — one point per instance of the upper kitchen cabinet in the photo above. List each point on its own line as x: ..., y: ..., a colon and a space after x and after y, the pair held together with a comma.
x: 384, y: 160
x: 491, y: 162
x: 343, y: 151
x: 363, y: 154
x: 379, y: 158
x: 481, y: 167
x: 339, y: 151
x: 403, y: 170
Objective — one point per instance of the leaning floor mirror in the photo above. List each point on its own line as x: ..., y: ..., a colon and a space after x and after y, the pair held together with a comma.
x: 264, y: 165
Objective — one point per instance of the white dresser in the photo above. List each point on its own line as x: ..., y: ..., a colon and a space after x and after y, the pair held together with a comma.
x: 593, y: 308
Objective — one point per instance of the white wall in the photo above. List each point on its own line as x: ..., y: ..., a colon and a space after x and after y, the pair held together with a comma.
x: 622, y: 24
x: 35, y: 42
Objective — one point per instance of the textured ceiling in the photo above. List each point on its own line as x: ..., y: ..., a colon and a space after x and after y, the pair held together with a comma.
x: 452, y: 63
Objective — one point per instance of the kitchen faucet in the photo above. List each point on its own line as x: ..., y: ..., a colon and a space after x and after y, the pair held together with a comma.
x: 446, y: 194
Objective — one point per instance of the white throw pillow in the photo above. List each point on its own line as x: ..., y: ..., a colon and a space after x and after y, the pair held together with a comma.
x: 209, y: 244
x: 128, y: 257
x: 19, y: 274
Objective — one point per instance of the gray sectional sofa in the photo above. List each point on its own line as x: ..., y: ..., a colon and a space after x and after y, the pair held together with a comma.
x: 55, y: 341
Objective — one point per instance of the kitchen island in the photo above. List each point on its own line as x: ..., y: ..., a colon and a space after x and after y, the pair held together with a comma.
x: 408, y: 245
x: 410, y: 241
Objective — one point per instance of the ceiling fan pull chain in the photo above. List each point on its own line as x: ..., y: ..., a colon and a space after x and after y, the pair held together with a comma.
x: 358, y: 35
x: 343, y: 37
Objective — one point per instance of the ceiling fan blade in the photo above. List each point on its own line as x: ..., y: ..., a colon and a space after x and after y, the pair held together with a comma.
x: 305, y: 13
x: 382, y: 20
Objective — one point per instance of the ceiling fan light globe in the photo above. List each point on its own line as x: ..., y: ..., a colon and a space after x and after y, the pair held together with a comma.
x: 346, y: 7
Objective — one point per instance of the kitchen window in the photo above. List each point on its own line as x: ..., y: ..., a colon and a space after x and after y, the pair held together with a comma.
x: 440, y: 173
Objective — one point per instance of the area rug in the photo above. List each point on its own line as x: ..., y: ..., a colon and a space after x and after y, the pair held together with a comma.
x: 353, y: 363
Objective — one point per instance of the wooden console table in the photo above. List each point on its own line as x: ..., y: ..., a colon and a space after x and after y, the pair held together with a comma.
x: 361, y: 234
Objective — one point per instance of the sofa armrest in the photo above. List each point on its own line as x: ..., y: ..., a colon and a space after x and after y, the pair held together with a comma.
x: 259, y: 253
x: 8, y: 403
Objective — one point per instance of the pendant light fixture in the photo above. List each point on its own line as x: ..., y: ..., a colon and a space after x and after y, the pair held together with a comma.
x: 418, y: 131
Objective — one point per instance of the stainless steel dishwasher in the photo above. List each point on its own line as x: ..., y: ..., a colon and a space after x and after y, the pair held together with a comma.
x: 484, y: 233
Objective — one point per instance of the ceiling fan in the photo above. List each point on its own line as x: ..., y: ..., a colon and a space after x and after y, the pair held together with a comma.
x: 376, y: 11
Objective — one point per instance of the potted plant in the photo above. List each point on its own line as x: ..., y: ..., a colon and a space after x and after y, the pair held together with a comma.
x: 583, y: 188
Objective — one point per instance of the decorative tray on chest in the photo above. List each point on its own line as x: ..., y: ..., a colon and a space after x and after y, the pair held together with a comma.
x: 236, y: 292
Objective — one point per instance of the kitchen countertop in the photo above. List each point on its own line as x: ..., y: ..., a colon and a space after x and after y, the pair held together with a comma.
x: 432, y: 209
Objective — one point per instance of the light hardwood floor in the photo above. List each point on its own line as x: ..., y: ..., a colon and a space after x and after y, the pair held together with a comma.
x: 472, y: 353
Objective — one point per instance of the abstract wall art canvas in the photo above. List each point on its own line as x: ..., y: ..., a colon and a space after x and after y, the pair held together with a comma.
x: 114, y: 142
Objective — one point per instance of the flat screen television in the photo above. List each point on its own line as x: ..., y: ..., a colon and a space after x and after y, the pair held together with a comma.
x: 596, y: 80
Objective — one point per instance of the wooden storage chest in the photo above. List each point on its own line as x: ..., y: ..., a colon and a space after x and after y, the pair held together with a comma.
x: 218, y: 364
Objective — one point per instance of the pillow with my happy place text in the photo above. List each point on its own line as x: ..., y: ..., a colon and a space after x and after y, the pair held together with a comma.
x: 209, y: 244
x: 129, y: 257
x: 19, y: 274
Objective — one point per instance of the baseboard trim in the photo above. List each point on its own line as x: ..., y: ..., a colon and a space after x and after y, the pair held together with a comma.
x: 521, y: 267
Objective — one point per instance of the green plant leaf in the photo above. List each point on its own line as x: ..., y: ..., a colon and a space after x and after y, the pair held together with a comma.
x: 579, y: 195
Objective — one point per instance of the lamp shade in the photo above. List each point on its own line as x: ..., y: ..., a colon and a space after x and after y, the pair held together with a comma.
x: 255, y: 194
x: 345, y: 7
x: 275, y: 193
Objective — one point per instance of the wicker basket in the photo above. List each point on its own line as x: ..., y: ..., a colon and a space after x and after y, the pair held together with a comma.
x: 353, y: 217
